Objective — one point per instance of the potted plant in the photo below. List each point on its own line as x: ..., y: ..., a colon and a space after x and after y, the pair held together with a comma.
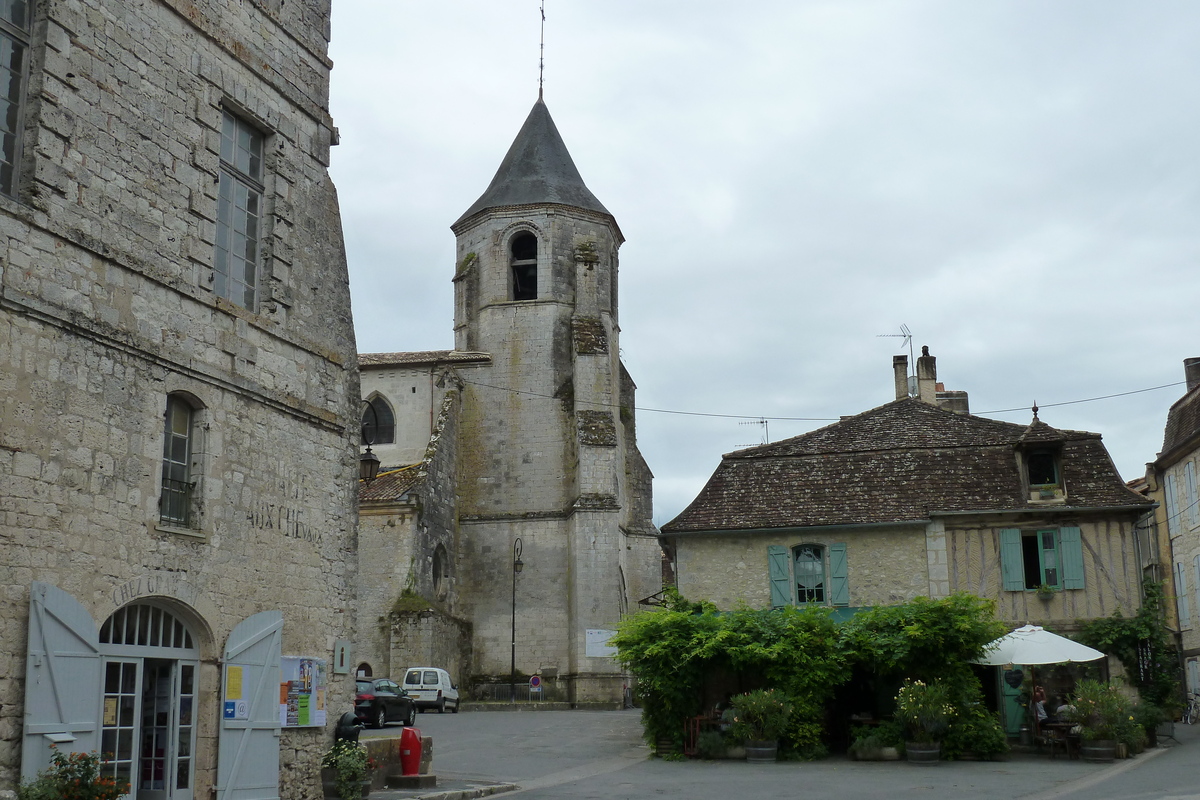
x: 1045, y: 591
x: 759, y: 718
x: 925, y: 711
x: 345, y: 771
x: 1099, y: 712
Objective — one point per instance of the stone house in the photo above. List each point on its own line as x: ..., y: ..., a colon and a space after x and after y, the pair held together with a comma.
x: 520, y: 442
x: 916, y: 499
x: 1171, y: 478
x: 178, y: 396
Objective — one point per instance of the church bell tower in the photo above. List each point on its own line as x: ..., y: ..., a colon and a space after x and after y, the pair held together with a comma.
x: 547, y: 450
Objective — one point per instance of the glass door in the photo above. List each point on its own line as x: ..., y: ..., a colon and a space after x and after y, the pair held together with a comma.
x: 119, y: 717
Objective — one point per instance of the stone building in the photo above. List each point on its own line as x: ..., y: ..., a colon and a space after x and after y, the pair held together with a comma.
x: 178, y: 395
x: 911, y: 499
x: 521, y: 437
x: 1171, y: 478
x: 916, y: 499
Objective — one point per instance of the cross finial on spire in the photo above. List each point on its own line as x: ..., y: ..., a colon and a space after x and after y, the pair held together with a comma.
x: 542, y: 52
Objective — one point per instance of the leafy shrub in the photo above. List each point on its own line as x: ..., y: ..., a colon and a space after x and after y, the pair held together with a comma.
x: 1100, y: 711
x: 351, y: 764
x: 977, y: 731
x: 72, y: 776
x: 925, y: 710
x: 760, y: 716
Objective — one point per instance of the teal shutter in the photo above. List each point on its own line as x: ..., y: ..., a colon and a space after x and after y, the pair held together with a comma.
x: 1012, y: 563
x: 1070, y: 547
x: 781, y: 585
x: 837, y: 575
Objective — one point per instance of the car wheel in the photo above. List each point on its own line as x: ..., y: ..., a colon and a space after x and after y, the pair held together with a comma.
x: 381, y: 717
x: 455, y: 709
x: 442, y: 706
x: 412, y: 717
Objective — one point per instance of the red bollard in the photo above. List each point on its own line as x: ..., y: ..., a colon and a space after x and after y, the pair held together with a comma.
x: 410, y: 751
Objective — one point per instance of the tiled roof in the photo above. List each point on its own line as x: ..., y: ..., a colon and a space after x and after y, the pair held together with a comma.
x: 421, y: 358
x: 391, y: 484
x: 537, y: 169
x: 900, y: 462
x: 1183, y: 422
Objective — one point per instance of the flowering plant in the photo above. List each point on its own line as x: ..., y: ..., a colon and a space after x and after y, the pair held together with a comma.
x: 759, y: 716
x: 352, y: 765
x: 73, y: 776
x: 925, y: 710
x: 1099, y: 709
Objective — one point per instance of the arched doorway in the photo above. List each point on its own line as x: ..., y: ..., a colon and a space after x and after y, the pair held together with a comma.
x: 148, y: 718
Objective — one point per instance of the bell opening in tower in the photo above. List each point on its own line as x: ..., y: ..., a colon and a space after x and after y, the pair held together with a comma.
x: 524, y: 267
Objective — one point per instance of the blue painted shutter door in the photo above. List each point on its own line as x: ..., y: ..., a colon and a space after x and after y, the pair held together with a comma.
x: 1181, y: 597
x: 1070, y: 547
x: 1012, y: 562
x: 62, y: 677
x: 781, y: 584
x: 1173, y: 521
x: 837, y: 574
x: 248, y: 749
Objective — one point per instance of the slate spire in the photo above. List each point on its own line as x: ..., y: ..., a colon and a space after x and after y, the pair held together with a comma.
x: 537, y: 169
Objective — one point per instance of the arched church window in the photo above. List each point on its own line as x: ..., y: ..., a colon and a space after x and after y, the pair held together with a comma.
x: 524, y: 267
x: 378, y: 422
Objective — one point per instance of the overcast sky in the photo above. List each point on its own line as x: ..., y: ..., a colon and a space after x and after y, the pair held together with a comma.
x: 1017, y: 182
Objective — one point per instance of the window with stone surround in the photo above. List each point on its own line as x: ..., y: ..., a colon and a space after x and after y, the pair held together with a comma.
x: 239, y: 211
x: 1046, y: 557
x: 808, y: 574
x: 175, y: 500
x: 14, y: 65
x: 524, y: 266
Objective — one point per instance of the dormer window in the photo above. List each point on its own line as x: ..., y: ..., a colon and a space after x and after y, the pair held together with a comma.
x: 524, y: 267
x: 1043, y: 470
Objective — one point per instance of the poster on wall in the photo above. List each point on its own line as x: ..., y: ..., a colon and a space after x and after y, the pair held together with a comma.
x: 596, y: 643
x: 302, y: 687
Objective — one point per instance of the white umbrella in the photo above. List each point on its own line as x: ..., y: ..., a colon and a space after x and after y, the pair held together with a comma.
x: 1031, y: 644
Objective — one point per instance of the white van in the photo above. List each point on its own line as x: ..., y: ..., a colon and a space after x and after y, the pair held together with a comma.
x: 430, y: 687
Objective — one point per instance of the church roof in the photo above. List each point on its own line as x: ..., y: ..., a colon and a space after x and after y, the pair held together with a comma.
x: 900, y: 462
x: 421, y: 358
x: 537, y: 169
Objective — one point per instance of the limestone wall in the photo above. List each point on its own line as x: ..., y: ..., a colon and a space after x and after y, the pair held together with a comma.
x: 106, y: 307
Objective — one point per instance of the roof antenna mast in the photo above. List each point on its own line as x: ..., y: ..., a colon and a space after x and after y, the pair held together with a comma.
x: 542, y: 52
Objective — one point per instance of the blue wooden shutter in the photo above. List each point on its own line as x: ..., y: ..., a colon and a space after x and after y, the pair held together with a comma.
x: 837, y: 574
x: 62, y: 678
x: 781, y: 584
x: 1070, y: 547
x: 1173, y: 521
x: 1181, y: 597
x: 1012, y: 562
x: 1190, y: 499
x: 248, y: 749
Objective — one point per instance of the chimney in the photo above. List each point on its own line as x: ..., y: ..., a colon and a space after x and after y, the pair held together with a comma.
x: 1191, y: 369
x: 927, y: 377
x: 900, y: 368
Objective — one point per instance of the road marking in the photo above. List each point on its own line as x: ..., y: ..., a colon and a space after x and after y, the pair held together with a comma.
x: 592, y: 768
x: 1086, y: 783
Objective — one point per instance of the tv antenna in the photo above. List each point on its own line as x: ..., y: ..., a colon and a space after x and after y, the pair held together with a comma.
x: 766, y: 433
x: 906, y: 335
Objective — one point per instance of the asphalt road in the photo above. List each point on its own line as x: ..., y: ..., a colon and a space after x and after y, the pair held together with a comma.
x: 563, y: 755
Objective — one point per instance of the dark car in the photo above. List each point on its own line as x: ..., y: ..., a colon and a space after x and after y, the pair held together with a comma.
x: 378, y: 701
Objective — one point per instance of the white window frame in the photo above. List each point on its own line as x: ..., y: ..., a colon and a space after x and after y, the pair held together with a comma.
x: 241, y: 217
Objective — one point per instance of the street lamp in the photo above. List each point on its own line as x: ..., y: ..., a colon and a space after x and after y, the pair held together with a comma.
x: 368, y: 462
x: 517, y: 565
